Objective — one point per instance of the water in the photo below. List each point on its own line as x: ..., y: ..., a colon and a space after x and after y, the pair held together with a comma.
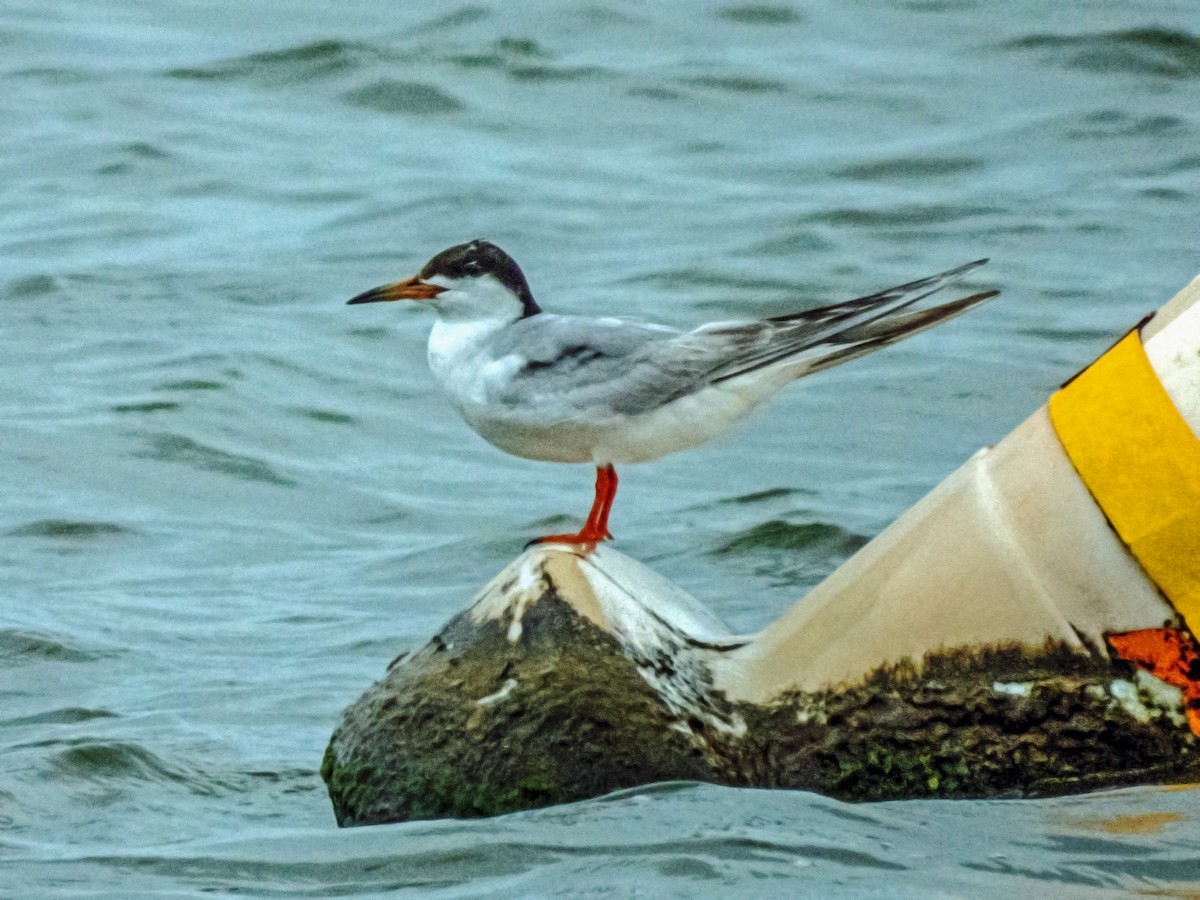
x: 229, y: 500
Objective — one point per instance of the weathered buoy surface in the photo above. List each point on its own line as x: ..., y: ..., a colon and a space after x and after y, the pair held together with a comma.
x: 567, y: 678
x: 1014, y: 545
x: 560, y: 683
x: 1011, y: 634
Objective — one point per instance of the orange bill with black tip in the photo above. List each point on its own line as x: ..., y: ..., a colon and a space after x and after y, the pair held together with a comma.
x: 412, y: 289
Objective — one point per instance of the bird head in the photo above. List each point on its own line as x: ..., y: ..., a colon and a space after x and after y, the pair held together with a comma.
x: 469, y: 281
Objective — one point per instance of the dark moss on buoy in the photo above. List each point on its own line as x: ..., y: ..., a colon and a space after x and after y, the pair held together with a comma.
x: 491, y: 717
x: 970, y: 722
x: 474, y: 724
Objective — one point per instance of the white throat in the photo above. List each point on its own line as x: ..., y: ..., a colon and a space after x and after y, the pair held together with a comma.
x: 469, y: 313
x: 476, y: 299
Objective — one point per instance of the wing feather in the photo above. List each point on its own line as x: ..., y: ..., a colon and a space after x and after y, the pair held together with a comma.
x: 591, y: 367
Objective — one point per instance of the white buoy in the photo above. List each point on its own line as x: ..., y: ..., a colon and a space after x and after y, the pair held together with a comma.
x: 1012, y: 547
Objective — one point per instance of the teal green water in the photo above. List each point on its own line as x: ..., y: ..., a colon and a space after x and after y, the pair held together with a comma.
x: 228, y: 500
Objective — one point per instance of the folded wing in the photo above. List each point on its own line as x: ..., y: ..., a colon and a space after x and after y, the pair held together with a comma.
x: 592, y: 367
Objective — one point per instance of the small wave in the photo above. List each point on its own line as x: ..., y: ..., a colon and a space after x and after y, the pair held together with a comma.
x: 903, y: 216
x: 403, y: 97
x: 145, y: 150
x: 68, y: 715
x: 293, y: 65
x: 19, y: 647
x: 796, y: 243
x: 655, y: 92
x: 194, y: 384
x: 555, y: 73
x: 133, y: 157
x: 769, y: 494
x: 1162, y: 52
x: 328, y: 416
x: 780, y: 535
x: 121, y: 762
x: 1189, y: 163
x: 370, y: 333
x: 101, y: 760
x: 296, y: 779
x: 911, y: 167
x: 177, y: 449
x: 70, y: 529
x: 31, y: 286
x: 523, y: 59
x: 1171, y: 195
x: 738, y: 848
x: 682, y: 278
x: 738, y: 84
x: 1110, y: 123
x: 467, y: 15
x: 57, y: 75
x: 760, y: 14
x: 147, y: 406
x: 1066, y: 335
x: 518, y: 48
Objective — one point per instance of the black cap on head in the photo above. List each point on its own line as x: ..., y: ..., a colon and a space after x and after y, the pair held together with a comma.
x: 480, y: 257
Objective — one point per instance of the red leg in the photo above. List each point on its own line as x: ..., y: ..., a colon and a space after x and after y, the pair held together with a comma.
x: 610, y: 494
x: 595, y: 529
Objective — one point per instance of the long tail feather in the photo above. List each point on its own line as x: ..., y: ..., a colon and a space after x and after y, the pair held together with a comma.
x: 890, y: 331
x: 853, y: 328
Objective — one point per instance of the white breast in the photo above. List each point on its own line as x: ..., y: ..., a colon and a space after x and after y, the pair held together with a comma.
x: 459, y: 360
x: 471, y: 376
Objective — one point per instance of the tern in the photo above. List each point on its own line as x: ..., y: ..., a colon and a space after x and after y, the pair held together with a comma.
x: 610, y: 391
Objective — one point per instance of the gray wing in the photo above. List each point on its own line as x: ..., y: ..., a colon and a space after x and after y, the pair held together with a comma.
x: 609, y: 365
x: 590, y: 365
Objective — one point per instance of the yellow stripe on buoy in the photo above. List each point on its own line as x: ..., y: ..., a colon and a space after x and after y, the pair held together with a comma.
x: 1141, y: 462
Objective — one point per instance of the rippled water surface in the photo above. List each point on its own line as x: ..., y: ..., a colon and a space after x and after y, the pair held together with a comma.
x: 229, y: 500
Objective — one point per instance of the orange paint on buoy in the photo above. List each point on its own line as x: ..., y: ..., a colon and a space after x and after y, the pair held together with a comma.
x: 1170, y: 654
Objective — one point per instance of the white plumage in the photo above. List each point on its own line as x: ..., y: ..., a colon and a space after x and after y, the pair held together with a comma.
x: 578, y: 389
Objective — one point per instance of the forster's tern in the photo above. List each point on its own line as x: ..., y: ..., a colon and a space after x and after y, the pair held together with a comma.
x: 578, y: 389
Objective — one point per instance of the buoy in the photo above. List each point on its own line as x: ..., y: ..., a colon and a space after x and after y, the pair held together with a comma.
x: 1082, y: 523
x: 1026, y: 628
